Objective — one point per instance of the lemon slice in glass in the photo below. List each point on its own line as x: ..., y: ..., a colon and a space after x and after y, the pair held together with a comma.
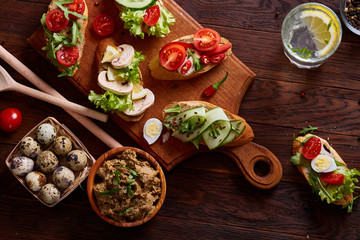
x: 322, y: 28
x: 138, y: 92
x: 109, y: 54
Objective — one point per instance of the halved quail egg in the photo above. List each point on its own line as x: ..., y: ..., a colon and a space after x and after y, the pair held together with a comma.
x: 152, y: 130
x: 323, y: 164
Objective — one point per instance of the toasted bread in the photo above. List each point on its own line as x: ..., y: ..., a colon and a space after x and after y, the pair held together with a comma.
x: 159, y: 72
x: 245, y: 137
x: 297, y: 148
x: 67, y: 31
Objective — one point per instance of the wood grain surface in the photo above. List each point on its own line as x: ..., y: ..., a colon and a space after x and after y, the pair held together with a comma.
x: 207, y: 196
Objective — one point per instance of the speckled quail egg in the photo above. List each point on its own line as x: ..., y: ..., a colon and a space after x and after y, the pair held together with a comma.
x: 63, y: 177
x: 30, y: 147
x: 46, y: 133
x: 21, y: 165
x: 47, y: 161
x: 35, y: 180
x: 76, y: 160
x: 152, y: 130
x: 49, y: 193
x: 62, y: 145
x: 323, y: 164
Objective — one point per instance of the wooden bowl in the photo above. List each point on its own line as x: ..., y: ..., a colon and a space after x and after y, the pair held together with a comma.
x: 110, y: 155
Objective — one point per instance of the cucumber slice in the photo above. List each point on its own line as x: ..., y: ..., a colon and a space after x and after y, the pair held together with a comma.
x: 233, y: 134
x: 173, y: 121
x: 136, y: 4
x: 212, y: 116
x: 222, y: 128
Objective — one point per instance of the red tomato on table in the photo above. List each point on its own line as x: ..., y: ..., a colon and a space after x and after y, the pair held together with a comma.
x: 55, y: 20
x: 77, y: 6
x: 67, y: 56
x: 172, y: 56
x: 10, y: 119
x: 312, y: 148
x: 104, y: 24
x: 332, y: 178
x: 152, y: 15
x: 206, y: 39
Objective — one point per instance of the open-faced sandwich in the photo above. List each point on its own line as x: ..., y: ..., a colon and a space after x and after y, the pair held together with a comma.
x: 147, y: 16
x: 204, y: 123
x: 64, y: 26
x: 324, y: 170
x: 120, y: 78
x: 190, y: 56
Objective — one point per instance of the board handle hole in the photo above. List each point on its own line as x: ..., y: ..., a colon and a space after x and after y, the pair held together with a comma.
x: 261, y: 168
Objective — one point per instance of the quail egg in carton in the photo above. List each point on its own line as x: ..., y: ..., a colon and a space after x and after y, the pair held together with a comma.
x: 50, y: 161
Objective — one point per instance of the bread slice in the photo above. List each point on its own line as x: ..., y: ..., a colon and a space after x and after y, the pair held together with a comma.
x: 100, y: 50
x: 297, y: 148
x: 161, y: 73
x: 67, y: 31
x: 245, y: 137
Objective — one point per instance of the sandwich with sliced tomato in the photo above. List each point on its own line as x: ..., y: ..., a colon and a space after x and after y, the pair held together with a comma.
x: 203, y: 123
x: 325, y: 171
x: 145, y: 17
x: 64, y: 25
x: 121, y: 81
x: 190, y: 56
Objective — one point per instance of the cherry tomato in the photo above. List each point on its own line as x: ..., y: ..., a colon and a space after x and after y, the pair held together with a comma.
x: 10, y: 119
x: 312, y: 148
x: 172, y: 56
x: 55, y: 20
x: 217, y: 58
x: 219, y: 49
x: 152, y: 15
x: 77, y: 6
x: 205, y: 60
x: 206, y: 39
x: 67, y: 56
x: 185, y: 67
x: 332, y: 178
x: 104, y: 24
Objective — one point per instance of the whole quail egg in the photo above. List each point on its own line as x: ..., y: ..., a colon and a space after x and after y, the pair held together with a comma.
x: 76, y: 160
x: 35, y: 180
x: 45, y: 133
x: 152, y: 130
x: 63, y: 177
x: 62, y: 145
x: 49, y: 193
x: 30, y: 147
x: 21, y: 165
x: 47, y: 161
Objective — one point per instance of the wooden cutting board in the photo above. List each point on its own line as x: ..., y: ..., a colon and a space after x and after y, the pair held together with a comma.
x: 228, y: 96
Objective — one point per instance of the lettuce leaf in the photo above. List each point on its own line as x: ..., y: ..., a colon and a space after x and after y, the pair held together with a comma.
x: 133, y: 20
x: 110, y: 102
x: 132, y: 72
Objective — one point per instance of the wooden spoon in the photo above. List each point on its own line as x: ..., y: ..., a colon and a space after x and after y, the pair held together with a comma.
x: 7, y: 83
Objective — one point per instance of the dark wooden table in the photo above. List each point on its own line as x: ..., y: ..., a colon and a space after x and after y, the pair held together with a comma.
x: 207, y: 197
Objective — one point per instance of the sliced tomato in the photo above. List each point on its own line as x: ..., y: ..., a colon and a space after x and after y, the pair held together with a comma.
x: 104, y: 24
x: 332, y: 178
x: 67, y: 56
x: 219, y: 49
x: 172, y: 56
x: 186, y: 67
x: 184, y: 44
x: 312, y: 148
x: 205, y: 60
x: 217, y: 58
x: 152, y: 15
x: 77, y: 6
x: 55, y: 20
x: 206, y: 39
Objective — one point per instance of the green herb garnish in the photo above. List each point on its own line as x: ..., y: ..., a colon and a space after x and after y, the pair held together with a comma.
x: 116, y: 180
x: 329, y: 25
x: 303, y: 53
x: 326, y: 41
x: 214, y: 130
x: 309, y: 129
x: 126, y: 211
x: 66, y: 10
x: 196, y: 61
x: 236, y: 128
x: 108, y: 192
x: 175, y: 109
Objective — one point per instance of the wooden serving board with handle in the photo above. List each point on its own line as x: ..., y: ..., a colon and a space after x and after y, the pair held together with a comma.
x: 229, y: 95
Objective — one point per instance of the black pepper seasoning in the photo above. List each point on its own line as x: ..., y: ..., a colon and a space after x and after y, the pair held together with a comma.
x: 352, y: 13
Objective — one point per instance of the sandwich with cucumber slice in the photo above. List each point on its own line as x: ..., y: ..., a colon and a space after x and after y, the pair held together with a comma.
x: 203, y: 123
x: 121, y: 81
x: 324, y: 169
x: 145, y: 17
x: 64, y: 25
